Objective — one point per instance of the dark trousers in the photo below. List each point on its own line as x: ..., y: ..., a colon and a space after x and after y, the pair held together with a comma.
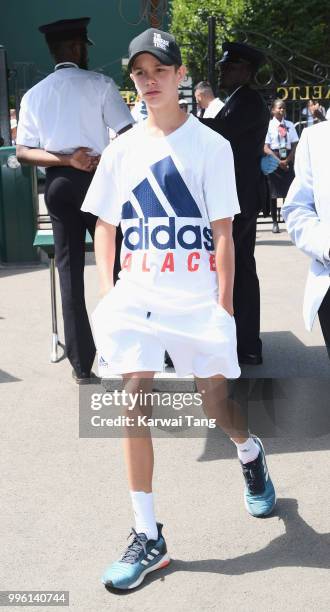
x: 324, y: 317
x: 65, y: 190
x: 246, y: 286
x: 273, y: 209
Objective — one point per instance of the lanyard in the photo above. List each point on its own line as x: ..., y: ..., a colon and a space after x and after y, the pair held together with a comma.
x: 282, y: 135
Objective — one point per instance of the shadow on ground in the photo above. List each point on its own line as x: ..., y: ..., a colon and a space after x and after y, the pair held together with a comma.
x: 5, y: 377
x: 299, y: 546
x: 285, y: 355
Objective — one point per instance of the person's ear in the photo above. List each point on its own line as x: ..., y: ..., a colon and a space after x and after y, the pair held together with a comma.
x: 76, y: 49
x: 182, y: 71
x: 135, y: 85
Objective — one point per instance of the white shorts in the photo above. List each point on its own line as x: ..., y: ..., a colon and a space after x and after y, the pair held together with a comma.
x: 128, y: 338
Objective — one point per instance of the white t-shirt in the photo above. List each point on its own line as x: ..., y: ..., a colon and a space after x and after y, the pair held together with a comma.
x: 164, y: 191
x: 139, y: 112
x: 213, y: 109
x: 273, y: 139
x: 71, y: 108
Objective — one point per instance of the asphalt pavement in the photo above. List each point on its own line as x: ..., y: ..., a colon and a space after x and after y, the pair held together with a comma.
x: 65, y: 507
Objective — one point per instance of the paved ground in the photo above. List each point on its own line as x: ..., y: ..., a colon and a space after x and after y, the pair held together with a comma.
x: 65, y: 510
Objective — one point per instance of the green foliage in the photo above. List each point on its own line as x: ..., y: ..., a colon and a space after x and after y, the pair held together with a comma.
x: 126, y: 82
x: 302, y: 25
x: 189, y: 25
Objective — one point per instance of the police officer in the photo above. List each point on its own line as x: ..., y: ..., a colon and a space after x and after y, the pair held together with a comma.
x: 244, y: 122
x: 63, y: 125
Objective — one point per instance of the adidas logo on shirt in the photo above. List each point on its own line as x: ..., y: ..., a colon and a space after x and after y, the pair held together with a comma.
x: 182, y: 203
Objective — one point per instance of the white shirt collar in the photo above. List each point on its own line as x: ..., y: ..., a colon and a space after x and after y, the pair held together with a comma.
x: 277, y: 122
x: 66, y: 65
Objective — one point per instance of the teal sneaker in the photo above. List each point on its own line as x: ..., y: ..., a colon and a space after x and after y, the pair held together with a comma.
x: 141, y: 557
x: 259, y: 493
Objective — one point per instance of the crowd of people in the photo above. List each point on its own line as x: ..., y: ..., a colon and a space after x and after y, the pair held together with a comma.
x: 186, y: 192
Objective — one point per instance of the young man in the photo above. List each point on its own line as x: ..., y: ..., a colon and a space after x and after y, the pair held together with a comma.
x: 176, y: 284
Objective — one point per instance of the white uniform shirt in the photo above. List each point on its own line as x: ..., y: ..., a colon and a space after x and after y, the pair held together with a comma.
x: 71, y: 108
x: 165, y: 191
x: 273, y: 137
x: 213, y: 109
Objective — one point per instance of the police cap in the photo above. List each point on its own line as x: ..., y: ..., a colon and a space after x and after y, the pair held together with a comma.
x: 238, y: 53
x: 67, y: 29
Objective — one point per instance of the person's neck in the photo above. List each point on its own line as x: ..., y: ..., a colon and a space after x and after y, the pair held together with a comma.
x: 66, y: 60
x: 164, y: 121
x: 209, y: 101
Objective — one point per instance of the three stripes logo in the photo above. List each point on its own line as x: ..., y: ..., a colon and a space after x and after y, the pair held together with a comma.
x: 150, y: 556
x: 181, y: 204
x: 174, y: 188
x: 103, y: 363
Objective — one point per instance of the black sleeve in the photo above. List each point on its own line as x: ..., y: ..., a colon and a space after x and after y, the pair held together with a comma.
x: 244, y: 114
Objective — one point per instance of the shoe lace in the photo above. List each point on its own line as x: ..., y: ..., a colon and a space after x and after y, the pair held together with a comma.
x: 254, y: 476
x: 133, y: 551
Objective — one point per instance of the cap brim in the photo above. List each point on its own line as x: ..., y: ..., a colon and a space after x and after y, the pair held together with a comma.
x: 162, y: 57
x: 90, y: 42
x: 225, y: 60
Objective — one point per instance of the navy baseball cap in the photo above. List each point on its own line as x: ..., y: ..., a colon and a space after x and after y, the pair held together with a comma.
x: 239, y: 53
x: 160, y: 44
x: 67, y: 29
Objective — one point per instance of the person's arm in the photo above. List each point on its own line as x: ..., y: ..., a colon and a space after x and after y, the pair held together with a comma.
x: 104, y: 201
x: 291, y: 155
x: 294, y: 138
x: 116, y: 114
x: 28, y: 150
x: 308, y: 232
x: 105, y: 251
x: 80, y: 159
x: 221, y: 201
x: 269, y: 151
x: 224, y: 261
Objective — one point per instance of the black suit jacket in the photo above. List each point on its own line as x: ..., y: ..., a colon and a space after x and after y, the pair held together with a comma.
x: 244, y: 121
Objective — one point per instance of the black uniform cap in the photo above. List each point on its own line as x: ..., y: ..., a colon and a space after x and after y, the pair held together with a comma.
x: 160, y: 44
x: 67, y: 29
x: 238, y: 53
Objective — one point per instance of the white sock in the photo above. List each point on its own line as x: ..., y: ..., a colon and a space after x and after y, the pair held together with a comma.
x: 143, y: 508
x: 248, y: 451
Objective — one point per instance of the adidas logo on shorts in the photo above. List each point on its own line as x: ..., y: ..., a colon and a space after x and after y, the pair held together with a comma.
x: 103, y: 363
